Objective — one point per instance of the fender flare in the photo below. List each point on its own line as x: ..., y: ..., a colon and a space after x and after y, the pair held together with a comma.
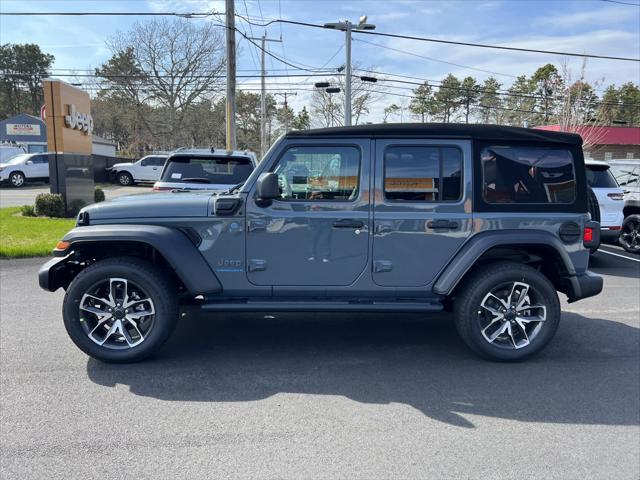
x: 473, y: 249
x: 174, y: 245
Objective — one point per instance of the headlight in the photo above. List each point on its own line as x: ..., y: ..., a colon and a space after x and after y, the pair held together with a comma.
x: 2, y: 168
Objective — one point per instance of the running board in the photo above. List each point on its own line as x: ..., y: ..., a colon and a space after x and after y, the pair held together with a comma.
x: 320, y: 306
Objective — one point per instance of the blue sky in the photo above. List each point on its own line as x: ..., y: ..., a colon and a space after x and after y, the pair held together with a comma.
x: 583, y: 26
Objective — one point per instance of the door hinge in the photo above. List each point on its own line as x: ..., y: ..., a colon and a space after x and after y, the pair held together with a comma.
x: 257, y: 265
x: 380, y: 266
x: 256, y: 225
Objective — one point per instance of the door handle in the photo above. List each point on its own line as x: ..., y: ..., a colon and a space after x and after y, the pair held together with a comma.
x: 346, y: 223
x: 442, y: 225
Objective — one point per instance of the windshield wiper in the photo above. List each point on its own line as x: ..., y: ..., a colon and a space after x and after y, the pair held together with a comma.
x: 197, y: 180
x: 235, y: 187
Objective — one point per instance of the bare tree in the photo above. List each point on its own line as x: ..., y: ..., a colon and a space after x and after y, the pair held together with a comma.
x: 327, y: 109
x: 578, y: 112
x: 170, y: 65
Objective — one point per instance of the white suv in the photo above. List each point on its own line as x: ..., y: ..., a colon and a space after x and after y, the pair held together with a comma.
x: 27, y: 166
x: 627, y: 173
x: 145, y: 170
x: 610, y: 198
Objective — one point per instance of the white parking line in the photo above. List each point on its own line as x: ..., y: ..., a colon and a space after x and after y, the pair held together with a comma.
x: 618, y: 255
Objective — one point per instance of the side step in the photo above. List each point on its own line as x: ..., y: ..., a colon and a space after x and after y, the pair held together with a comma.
x: 320, y: 306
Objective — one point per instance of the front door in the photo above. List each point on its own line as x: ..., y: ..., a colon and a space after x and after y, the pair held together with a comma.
x: 422, y: 214
x: 316, y: 234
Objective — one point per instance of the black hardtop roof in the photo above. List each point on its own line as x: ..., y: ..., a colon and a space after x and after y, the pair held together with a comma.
x: 442, y: 130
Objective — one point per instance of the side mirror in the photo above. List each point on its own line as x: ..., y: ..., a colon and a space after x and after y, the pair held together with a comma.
x: 267, y: 187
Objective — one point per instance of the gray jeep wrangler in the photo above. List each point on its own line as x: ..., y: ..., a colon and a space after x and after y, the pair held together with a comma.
x: 490, y: 222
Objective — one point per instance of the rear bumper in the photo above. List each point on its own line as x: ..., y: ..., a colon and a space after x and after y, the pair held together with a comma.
x: 582, y: 286
x: 609, y: 233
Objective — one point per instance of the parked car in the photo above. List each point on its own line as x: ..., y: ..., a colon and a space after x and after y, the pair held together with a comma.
x: 145, y: 170
x: 610, y: 198
x: 491, y: 222
x: 8, y: 151
x: 25, y: 167
x: 205, y: 169
x: 627, y: 174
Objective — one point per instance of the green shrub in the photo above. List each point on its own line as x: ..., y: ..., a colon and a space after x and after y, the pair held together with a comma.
x: 50, y: 205
x: 28, y: 211
x: 98, y: 195
x: 75, y: 206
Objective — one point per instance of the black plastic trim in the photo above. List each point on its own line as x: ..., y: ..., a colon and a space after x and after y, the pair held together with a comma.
x: 584, y: 286
x: 481, y: 242
x: 302, y: 305
x: 174, y: 245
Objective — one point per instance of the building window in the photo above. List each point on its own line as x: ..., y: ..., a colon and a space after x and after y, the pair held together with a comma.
x: 629, y: 155
x: 608, y: 156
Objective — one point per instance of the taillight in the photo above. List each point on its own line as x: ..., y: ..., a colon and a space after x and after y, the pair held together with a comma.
x: 616, y: 196
x: 587, y: 235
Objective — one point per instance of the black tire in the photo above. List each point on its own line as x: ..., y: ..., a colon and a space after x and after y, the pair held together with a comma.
x: 17, y: 179
x: 630, y: 234
x: 150, y: 279
x: 470, y: 318
x: 125, y: 179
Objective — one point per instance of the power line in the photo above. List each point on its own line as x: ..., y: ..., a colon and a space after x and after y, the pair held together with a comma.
x: 622, y: 3
x: 306, y: 24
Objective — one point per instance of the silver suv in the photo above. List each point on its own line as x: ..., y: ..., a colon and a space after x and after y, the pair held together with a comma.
x: 627, y: 174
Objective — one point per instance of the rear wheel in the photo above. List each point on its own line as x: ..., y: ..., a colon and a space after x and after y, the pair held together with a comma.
x: 120, y: 309
x: 507, y: 311
x: 125, y: 179
x: 17, y: 179
x: 630, y: 235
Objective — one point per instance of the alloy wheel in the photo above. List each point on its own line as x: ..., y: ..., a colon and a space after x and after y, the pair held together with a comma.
x: 511, y: 315
x: 117, y: 314
x: 630, y: 236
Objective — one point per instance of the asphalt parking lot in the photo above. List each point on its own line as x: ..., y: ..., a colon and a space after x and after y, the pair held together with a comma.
x: 15, y: 197
x: 323, y: 396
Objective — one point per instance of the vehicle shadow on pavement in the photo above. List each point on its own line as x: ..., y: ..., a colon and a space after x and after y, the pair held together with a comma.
x: 602, y: 263
x: 590, y: 373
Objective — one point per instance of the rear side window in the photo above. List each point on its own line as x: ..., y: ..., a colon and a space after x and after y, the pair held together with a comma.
x: 626, y: 175
x: 600, y: 177
x: 527, y: 175
x: 414, y: 173
x: 207, y: 170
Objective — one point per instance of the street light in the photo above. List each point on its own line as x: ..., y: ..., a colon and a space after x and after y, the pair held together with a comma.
x: 348, y: 27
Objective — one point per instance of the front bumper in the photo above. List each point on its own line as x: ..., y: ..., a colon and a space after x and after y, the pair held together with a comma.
x: 54, y: 274
x: 582, y: 286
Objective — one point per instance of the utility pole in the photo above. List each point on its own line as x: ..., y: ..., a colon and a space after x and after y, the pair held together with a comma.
x: 231, y: 74
x: 348, y: 27
x: 263, y: 92
x: 286, y: 119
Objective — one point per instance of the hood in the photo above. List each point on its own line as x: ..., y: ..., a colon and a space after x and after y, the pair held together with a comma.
x: 151, y: 205
x: 123, y: 164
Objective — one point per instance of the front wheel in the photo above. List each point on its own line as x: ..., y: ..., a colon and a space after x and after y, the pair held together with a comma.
x: 125, y: 179
x: 120, y: 309
x: 507, y: 311
x: 630, y: 235
x: 17, y: 179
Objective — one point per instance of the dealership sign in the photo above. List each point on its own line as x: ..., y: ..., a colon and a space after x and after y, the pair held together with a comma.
x: 23, y: 129
x: 79, y: 121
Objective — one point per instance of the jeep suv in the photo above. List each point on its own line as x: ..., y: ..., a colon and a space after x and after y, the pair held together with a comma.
x: 487, y: 221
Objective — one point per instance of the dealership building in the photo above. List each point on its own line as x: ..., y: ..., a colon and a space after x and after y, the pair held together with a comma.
x: 31, y: 132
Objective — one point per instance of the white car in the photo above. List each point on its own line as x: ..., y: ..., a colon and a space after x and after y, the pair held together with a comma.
x: 145, y: 170
x: 627, y: 173
x: 610, y: 198
x: 25, y: 167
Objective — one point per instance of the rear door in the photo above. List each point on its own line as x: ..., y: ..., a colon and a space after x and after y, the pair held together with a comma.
x: 39, y: 167
x: 422, y: 209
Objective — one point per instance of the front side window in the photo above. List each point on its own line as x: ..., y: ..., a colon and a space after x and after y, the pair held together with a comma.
x: 522, y: 174
x: 319, y: 173
x: 422, y: 173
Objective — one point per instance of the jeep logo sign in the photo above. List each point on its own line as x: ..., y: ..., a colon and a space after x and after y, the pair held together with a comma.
x: 79, y: 121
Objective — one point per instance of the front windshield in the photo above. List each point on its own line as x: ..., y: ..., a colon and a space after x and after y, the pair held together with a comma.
x: 18, y: 159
